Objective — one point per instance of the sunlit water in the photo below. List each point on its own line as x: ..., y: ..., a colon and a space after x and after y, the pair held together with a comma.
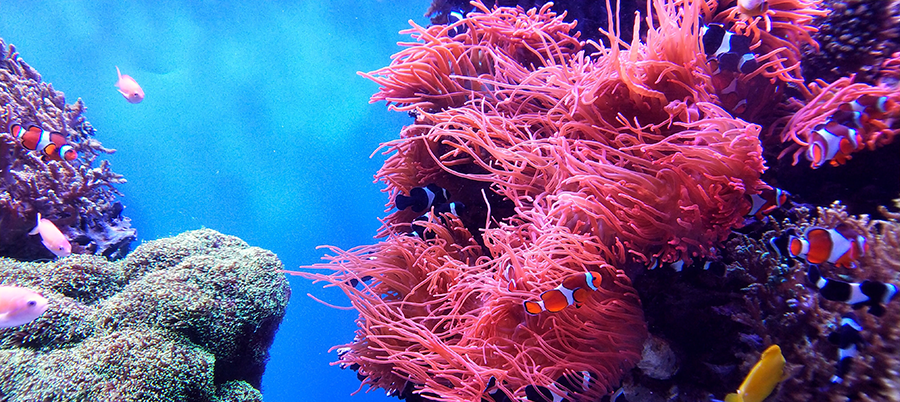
x: 254, y: 124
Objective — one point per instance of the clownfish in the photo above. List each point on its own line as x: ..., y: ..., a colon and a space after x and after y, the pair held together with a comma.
x: 849, y: 118
x: 731, y: 91
x: 455, y: 17
x: 422, y: 198
x: 557, y: 392
x: 766, y: 201
x: 51, y: 144
x: 762, y: 379
x: 841, y: 246
x: 19, y: 306
x: 873, y: 294
x: 573, y: 290
x: 832, y: 142
x: 730, y: 50
x: 51, y: 237
x: 454, y: 208
x: 717, y: 267
x: 753, y: 8
x: 847, y: 337
x: 873, y: 107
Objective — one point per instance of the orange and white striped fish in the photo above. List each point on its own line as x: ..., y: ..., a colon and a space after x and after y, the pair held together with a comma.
x: 870, y: 106
x: 833, y: 142
x: 51, y: 144
x: 841, y: 246
x: 573, y: 290
x: 766, y: 201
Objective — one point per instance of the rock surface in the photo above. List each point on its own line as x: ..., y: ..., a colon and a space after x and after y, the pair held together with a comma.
x: 187, y: 318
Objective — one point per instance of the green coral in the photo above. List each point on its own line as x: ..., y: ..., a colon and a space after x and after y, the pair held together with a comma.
x: 188, y: 318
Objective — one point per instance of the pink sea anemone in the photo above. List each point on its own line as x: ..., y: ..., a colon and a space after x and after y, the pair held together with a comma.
x: 569, y: 162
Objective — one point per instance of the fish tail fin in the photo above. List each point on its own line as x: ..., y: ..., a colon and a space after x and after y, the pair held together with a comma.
x: 876, y: 309
x: 813, y: 274
x: 402, y: 202
x: 533, y: 307
x: 36, y: 226
x: 118, y: 73
x: 12, y: 127
x: 733, y: 398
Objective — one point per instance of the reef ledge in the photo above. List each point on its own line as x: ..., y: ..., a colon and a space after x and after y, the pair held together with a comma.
x: 185, y: 318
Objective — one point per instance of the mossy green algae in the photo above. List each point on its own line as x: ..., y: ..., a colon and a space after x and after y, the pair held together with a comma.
x: 187, y: 318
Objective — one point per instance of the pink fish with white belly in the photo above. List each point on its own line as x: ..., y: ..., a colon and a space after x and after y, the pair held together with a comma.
x: 19, y: 306
x: 129, y: 88
x: 52, y: 237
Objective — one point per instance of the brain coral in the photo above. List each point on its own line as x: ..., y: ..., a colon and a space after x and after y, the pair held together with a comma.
x: 188, y: 318
x: 77, y: 196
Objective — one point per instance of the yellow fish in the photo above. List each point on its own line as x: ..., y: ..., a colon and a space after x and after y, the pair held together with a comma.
x: 761, y: 381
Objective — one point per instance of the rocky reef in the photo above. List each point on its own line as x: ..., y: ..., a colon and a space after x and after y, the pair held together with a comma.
x: 715, y: 322
x: 76, y: 195
x: 187, y: 318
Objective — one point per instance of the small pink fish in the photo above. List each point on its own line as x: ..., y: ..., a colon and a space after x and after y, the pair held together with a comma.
x: 129, y: 88
x: 19, y: 306
x: 52, y: 238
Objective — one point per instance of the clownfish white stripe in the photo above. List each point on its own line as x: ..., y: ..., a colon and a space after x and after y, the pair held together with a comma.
x: 839, y: 246
x: 889, y: 293
x: 851, y: 322
x: 572, y: 290
x: 849, y: 352
x: 821, y: 282
x: 856, y: 294
x: 568, y: 293
x: 430, y: 195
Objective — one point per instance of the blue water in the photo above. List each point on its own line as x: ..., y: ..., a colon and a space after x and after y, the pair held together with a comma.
x: 254, y: 124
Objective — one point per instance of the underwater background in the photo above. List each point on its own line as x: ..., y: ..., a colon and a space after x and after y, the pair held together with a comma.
x: 254, y: 124
x: 703, y: 207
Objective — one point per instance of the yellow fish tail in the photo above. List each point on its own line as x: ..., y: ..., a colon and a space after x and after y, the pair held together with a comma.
x: 733, y: 398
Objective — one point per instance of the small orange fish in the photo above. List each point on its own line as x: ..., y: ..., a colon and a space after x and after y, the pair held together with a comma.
x: 129, y: 88
x: 841, y: 246
x: 52, y: 238
x: 51, y: 144
x: 766, y: 201
x: 19, y: 306
x: 833, y: 142
x: 573, y: 290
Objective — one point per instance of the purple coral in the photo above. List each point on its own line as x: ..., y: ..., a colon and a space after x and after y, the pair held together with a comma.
x: 77, y: 196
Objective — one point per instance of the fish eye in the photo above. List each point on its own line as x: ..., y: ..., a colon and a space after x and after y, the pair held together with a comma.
x: 32, y: 303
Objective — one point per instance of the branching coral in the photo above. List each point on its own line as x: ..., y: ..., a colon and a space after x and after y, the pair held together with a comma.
x: 78, y: 197
x: 875, y: 371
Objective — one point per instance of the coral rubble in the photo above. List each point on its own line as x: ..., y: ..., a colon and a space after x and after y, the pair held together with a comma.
x: 76, y: 195
x: 187, y: 318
